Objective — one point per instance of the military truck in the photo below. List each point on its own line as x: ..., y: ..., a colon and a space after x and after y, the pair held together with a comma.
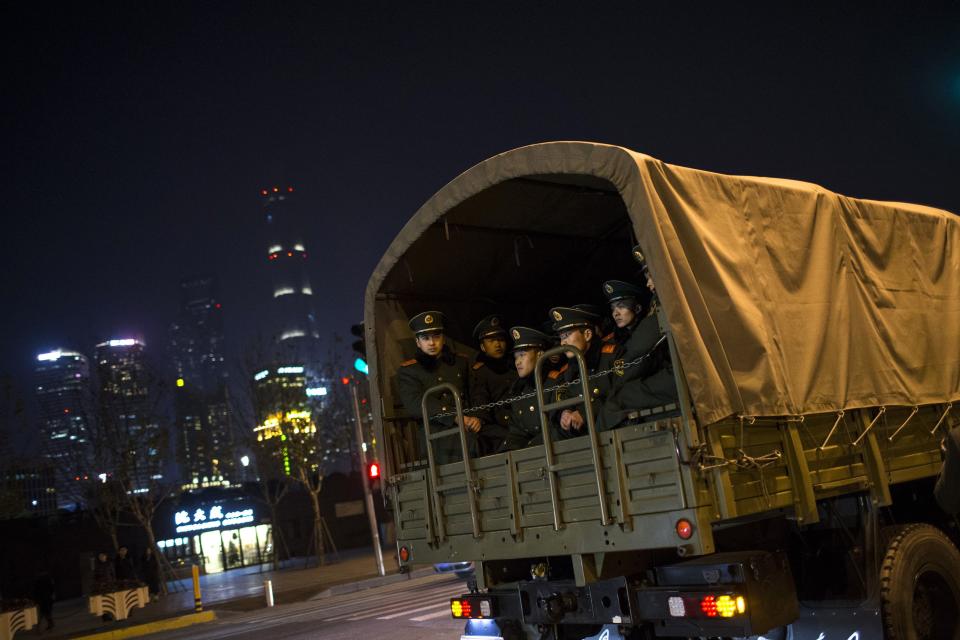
x: 815, y: 344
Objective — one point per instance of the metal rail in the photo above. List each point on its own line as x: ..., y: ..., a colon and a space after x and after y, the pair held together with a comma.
x: 467, y: 462
x: 552, y: 467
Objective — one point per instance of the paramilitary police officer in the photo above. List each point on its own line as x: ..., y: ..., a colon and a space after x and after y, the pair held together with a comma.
x: 491, y: 377
x: 650, y: 383
x: 577, y: 328
x: 525, y: 430
x: 434, y: 363
x: 605, y: 324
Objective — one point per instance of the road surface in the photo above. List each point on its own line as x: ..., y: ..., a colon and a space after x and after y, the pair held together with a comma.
x: 414, y: 610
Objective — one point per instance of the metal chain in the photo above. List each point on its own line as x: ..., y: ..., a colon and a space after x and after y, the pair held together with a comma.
x: 619, y: 369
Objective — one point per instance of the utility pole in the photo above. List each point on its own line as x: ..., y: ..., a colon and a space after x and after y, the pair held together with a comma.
x: 367, y: 494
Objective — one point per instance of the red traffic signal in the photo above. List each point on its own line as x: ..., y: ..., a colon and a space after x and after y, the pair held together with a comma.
x: 373, y: 470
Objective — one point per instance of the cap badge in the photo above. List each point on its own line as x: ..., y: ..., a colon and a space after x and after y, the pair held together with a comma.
x: 608, y: 288
x: 494, y: 321
x: 557, y: 316
x: 428, y: 319
x: 516, y: 334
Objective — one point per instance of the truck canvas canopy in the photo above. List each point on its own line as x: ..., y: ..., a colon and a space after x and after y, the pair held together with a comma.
x: 783, y: 298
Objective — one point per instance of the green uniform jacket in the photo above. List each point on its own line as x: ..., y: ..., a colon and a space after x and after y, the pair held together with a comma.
x: 647, y: 384
x: 417, y: 375
x: 599, y: 357
x: 490, y: 381
x: 525, y: 430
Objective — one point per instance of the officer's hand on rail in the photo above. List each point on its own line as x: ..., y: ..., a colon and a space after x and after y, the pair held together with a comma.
x: 576, y: 420
x: 571, y: 419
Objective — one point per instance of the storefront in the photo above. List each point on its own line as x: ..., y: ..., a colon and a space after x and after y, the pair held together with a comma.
x: 218, y: 536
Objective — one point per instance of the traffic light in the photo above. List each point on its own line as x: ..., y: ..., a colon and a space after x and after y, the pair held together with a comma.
x: 373, y: 475
x: 360, y: 346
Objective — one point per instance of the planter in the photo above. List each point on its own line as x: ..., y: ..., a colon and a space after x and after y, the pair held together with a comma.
x: 119, y: 604
x: 17, y: 619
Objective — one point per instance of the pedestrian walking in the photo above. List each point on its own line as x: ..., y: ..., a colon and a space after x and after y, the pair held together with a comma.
x: 149, y: 572
x: 123, y: 565
x: 103, y: 573
x: 44, y: 593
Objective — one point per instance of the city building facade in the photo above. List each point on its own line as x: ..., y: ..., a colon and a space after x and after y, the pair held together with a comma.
x: 285, y: 423
x: 129, y: 437
x: 65, y: 401
x: 294, y: 328
x: 206, y: 448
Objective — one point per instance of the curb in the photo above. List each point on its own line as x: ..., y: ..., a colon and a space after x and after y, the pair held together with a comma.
x: 165, y: 624
x: 369, y: 583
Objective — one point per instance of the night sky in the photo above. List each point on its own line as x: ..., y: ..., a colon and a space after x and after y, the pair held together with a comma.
x: 136, y: 136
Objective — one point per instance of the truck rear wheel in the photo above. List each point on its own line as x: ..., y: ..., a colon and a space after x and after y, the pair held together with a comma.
x: 920, y: 586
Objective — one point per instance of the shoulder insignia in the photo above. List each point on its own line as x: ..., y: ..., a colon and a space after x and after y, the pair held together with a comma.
x: 608, y: 337
x: 462, y: 355
x: 477, y: 365
x: 608, y: 348
x: 407, y: 363
x: 553, y: 375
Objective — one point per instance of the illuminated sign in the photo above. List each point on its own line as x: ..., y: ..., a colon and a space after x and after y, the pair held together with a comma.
x: 261, y: 374
x: 316, y: 391
x: 216, y: 517
x: 52, y: 355
x: 283, y: 291
x: 290, y: 370
x: 124, y: 342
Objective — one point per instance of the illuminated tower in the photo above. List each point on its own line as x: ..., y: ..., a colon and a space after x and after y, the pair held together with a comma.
x: 294, y: 322
x: 128, y: 416
x: 66, y: 405
x: 200, y: 379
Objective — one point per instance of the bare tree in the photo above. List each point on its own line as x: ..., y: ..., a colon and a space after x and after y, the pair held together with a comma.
x: 248, y: 408
x: 319, y: 439
x: 131, y: 439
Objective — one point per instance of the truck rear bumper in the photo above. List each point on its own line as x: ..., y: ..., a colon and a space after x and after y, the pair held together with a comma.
x: 736, y: 594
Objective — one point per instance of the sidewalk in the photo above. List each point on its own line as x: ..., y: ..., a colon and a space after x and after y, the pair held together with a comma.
x: 235, y: 590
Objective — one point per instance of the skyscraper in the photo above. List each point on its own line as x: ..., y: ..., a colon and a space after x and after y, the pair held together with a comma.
x: 64, y: 396
x: 201, y: 391
x: 294, y: 320
x: 130, y: 439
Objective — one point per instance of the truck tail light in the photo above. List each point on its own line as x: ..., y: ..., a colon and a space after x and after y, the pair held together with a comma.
x: 404, y: 554
x: 707, y: 606
x: 676, y: 606
x: 473, y: 607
